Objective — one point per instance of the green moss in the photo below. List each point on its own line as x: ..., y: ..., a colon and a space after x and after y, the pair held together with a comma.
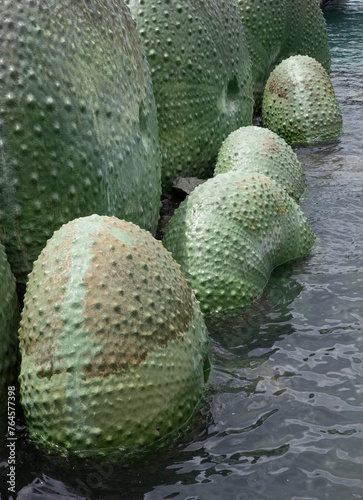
x: 261, y: 151
x: 299, y: 102
x: 201, y: 74
x: 9, y: 323
x: 113, y: 342
x: 276, y: 30
x: 78, y: 127
x: 230, y: 233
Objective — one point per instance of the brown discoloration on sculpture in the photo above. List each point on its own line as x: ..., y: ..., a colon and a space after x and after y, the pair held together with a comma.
x: 270, y: 146
x: 114, y: 299
x: 275, y: 87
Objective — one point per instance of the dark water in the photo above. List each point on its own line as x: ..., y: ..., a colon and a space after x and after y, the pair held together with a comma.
x: 283, y: 416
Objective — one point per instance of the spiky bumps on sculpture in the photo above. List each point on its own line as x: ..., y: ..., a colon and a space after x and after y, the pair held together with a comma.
x: 201, y: 73
x: 276, y: 30
x: 230, y: 233
x: 78, y: 127
x: 114, y: 346
x: 259, y: 150
x: 299, y: 102
x: 9, y: 323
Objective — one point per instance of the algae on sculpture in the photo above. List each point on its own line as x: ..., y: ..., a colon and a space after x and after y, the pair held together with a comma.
x: 259, y: 150
x: 278, y: 29
x: 114, y: 346
x: 230, y: 233
x: 299, y: 102
x: 9, y: 323
x: 78, y: 127
x: 201, y: 73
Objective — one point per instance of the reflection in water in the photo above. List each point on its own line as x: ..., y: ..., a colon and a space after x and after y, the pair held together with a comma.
x: 283, y: 416
x: 45, y: 485
x: 261, y: 323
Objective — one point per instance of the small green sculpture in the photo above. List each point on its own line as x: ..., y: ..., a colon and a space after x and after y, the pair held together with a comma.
x: 299, y: 102
x: 259, y: 150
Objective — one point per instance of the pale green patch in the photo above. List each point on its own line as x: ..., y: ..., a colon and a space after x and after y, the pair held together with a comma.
x: 122, y: 236
x: 76, y: 348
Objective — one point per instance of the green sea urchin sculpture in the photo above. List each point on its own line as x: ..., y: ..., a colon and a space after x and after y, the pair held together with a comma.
x: 201, y: 73
x: 78, y: 127
x: 299, y: 102
x: 114, y: 346
x: 230, y: 233
x: 259, y: 150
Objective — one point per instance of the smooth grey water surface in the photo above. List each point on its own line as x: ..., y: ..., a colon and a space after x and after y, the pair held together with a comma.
x: 283, y: 416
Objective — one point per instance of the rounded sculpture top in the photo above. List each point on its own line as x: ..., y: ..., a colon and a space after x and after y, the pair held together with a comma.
x: 299, y: 102
x: 259, y: 150
x: 201, y: 73
x: 276, y: 30
x: 112, y: 338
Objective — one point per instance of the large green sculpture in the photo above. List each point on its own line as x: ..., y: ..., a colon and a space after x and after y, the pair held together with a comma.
x: 278, y: 29
x: 78, y: 127
x: 201, y: 74
x: 299, y: 102
x: 114, y: 346
x: 230, y: 233
x: 259, y: 150
x: 9, y: 323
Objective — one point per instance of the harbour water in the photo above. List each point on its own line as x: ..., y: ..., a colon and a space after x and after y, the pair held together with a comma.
x: 283, y: 414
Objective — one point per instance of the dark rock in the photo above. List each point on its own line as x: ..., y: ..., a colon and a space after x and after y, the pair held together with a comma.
x: 182, y: 186
x: 169, y: 204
